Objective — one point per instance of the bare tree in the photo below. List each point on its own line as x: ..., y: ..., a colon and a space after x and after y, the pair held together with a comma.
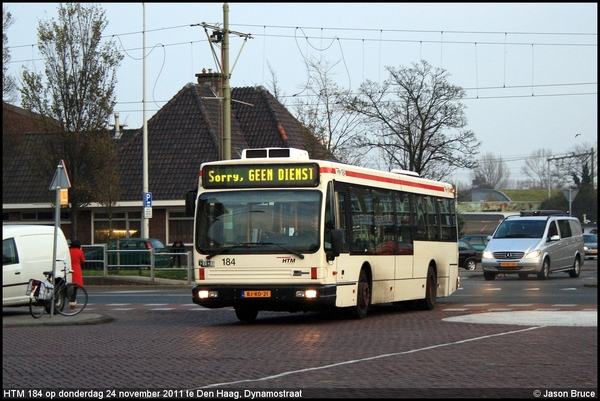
x: 561, y: 168
x: 9, y: 86
x: 492, y: 171
x: 417, y: 121
x: 78, y: 90
x: 536, y: 168
x: 582, y: 154
x: 274, y: 86
x: 322, y: 112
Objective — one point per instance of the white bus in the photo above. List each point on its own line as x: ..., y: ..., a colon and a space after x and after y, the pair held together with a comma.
x: 277, y: 231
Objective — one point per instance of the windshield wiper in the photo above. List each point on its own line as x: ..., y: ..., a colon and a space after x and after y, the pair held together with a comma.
x: 285, y: 248
x: 250, y: 244
x: 225, y: 250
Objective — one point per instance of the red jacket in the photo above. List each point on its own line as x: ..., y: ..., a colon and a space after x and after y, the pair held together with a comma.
x: 77, y: 259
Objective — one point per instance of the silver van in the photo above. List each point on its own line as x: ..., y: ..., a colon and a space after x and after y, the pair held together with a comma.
x: 535, y: 244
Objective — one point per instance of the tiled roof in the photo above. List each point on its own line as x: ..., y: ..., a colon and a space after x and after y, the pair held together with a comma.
x: 181, y: 135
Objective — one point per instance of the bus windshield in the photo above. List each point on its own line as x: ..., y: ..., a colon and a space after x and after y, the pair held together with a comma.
x: 269, y: 221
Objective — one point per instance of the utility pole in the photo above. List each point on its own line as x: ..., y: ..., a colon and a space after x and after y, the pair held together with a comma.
x: 147, y: 212
x: 222, y: 36
x: 226, y: 87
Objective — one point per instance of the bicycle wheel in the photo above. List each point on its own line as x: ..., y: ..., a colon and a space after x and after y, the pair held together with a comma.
x: 59, y: 301
x: 75, y: 299
x: 37, y: 308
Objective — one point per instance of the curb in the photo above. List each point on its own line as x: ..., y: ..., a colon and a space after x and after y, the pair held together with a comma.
x: 22, y: 318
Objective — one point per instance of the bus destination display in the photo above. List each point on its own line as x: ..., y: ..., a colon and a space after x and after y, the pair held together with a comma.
x: 261, y: 175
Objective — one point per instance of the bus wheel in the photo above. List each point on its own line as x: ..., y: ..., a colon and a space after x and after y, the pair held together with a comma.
x: 428, y: 303
x: 363, y: 300
x: 246, y: 313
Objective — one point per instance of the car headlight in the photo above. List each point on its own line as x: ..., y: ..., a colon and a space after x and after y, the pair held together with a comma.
x: 586, y: 248
x: 533, y: 254
x: 487, y: 255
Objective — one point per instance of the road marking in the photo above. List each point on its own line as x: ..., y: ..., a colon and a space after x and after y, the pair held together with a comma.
x: 334, y: 365
x: 540, y: 318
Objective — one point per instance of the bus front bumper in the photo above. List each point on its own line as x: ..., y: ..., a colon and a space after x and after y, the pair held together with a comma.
x: 266, y: 297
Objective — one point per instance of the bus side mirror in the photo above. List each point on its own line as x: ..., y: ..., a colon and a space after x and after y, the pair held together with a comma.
x: 336, y: 244
x: 190, y: 201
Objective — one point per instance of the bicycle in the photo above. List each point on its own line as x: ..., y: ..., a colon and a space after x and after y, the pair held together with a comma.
x: 40, y: 293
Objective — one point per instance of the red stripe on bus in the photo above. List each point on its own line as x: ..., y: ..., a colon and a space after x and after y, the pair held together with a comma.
x: 397, y: 181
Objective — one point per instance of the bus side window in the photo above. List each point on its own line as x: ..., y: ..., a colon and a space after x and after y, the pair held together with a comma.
x: 343, y: 201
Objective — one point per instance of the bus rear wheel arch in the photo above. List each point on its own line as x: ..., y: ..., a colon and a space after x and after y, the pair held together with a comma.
x: 363, y: 297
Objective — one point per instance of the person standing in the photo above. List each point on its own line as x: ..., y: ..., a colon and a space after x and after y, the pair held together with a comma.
x: 177, y: 247
x: 77, y: 260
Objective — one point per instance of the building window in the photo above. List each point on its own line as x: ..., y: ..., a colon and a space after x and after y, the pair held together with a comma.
x: 181, y: 227
x: 121, y: 225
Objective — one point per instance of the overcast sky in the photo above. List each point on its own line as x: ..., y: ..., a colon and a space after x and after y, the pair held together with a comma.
x: 530, y: 70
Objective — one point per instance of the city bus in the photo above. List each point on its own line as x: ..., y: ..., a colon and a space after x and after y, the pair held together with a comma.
x: 278, y: 231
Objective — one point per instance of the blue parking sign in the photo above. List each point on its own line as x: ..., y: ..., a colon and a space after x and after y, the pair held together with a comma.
x: 147, y: 199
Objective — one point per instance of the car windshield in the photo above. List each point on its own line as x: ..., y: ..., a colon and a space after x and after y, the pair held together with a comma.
x: 520, y: 228
x: 590, y: 238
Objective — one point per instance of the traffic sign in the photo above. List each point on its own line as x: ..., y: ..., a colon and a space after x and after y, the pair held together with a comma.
x: 61, y: 177
x: 147, y: 199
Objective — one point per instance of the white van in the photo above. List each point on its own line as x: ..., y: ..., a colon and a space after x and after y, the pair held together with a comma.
x: 27, y: 252
x: 538, y: 244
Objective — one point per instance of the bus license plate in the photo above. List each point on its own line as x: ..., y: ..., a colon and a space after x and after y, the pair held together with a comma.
x: 508, y: 264
x: 257, y: 294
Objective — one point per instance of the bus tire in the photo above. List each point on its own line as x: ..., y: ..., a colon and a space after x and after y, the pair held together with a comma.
x: 246, y: 313
x: 428, y: 303
x: 363, y: 299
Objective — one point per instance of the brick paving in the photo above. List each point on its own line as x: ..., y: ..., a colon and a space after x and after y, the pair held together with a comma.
x: 394, y: 351
x: 397, y: 352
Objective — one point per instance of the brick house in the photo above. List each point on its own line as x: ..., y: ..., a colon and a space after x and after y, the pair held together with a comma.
x: 184, y: 133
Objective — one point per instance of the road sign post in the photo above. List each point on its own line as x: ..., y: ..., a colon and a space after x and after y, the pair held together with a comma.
x: 60, y: 182
x: 570, y: 195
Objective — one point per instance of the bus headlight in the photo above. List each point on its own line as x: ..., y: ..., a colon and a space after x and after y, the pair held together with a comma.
x: 203, y: 294
x: 306, y: 294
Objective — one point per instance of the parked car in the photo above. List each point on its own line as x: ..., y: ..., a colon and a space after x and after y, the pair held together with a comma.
x: 541, y: 244
x: 27, y: 252
x: 590, y: 245
x: 467, y: 255
x: 479, y: 242
x: 128, y: 257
